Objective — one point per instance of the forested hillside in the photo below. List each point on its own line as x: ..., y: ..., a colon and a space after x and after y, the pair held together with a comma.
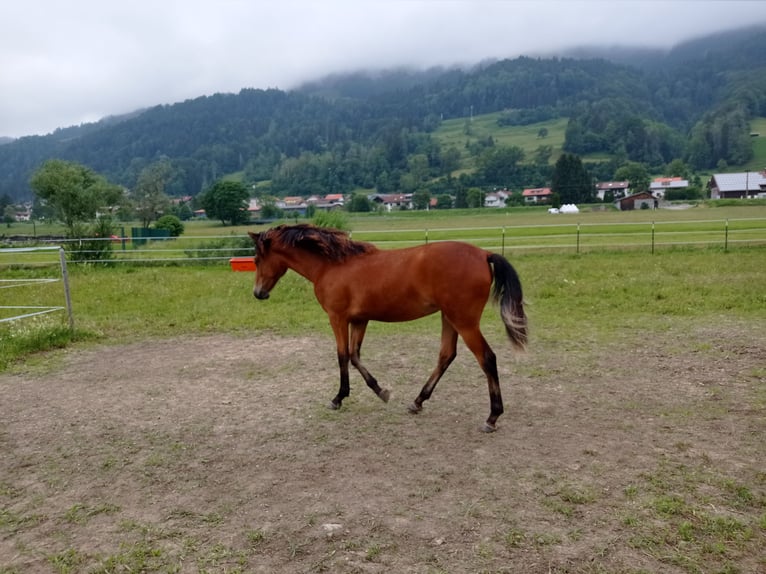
x: 375, y: 130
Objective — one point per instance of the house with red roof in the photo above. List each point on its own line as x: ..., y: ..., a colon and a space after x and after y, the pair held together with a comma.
x: 537, y: 195
x: 660, y: 185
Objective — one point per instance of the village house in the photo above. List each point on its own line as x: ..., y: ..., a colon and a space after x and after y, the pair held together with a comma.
x: 660, y: 185
x: 24, y: 213
x: 737, y: 185
x: 618, y: 189
x: 640, y: 200
x: 392, y: 201
x: 334, y: 199
x: 496, y: 198
x: 537, y: 195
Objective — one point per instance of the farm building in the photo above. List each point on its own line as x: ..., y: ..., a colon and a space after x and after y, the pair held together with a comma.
x: 660, y: 185
x: 636, y: 201
x: 496, y: 198
x: 537, y: 195
x: 392, y: 201
x: 737, y: 185
x: 618, y: 188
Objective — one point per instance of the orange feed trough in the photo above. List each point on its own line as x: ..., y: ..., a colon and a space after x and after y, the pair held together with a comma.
x: 242, y: 264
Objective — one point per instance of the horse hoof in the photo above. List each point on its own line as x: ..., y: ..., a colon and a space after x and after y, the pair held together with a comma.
x: 488, y: 428
x: 414, y: 408
x: 384, y: 395
x: 333, y: 406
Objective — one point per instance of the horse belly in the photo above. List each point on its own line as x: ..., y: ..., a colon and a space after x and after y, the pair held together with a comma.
x: 393, y: 305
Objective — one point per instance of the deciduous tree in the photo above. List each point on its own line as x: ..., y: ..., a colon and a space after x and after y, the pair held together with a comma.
x: 636, y: 174
x: 74, y: 192
x: 149, y: 194
x: 227, y: 201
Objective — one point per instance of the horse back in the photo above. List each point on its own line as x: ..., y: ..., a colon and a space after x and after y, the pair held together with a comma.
x: 405, y: 284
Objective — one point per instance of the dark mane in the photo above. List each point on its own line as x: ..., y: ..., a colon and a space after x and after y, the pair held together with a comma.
x: 331, y: 244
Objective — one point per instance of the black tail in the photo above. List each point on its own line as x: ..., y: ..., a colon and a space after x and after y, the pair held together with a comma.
x: 507, y: 291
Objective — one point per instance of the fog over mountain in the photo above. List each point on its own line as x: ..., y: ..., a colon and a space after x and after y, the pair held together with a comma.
x: 70, y: 63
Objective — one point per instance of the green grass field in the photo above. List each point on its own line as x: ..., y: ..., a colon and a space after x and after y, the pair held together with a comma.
x: 460, y: 132
x: 509, y: 231
x: 685, y: 321
x: 758, y: 163
x: 129, y: 301
x: 453, y: 133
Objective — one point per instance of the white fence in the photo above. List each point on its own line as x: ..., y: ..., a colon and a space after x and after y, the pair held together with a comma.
x: 563, y: 236
x: 26, y: 311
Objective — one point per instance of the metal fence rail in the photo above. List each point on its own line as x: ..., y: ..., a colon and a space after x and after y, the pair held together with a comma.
x: 34, y: 310
x: 556, y: 237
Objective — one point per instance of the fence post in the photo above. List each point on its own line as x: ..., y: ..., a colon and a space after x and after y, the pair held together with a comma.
x: 65, y: 279
x: 426, y: 236
x: 578, y: 238
x: 502, y: 248
x: 726, y: 238
x: 652, y: 237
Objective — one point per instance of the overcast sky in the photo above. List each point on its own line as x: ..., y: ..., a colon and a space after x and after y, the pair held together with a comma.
x: 65, y: 63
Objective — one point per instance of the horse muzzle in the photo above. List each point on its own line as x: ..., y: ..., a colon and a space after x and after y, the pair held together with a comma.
x: 260, y: 295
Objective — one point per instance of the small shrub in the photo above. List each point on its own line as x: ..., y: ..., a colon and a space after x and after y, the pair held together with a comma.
x: 336, y: 219
x: 171, y: 223
x: 91, y: 243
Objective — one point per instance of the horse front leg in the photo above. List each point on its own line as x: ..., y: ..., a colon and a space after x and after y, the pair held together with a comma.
x: 447, y: 354
x: 355, y: 348
x: 340, y: 328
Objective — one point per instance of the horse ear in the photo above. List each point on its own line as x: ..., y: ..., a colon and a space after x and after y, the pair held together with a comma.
x: 253, y: 236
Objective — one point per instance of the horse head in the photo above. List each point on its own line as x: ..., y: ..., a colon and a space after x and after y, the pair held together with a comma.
x: 269, y: 267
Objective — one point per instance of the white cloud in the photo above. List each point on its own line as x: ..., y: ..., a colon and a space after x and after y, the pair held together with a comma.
x: 65, y: 63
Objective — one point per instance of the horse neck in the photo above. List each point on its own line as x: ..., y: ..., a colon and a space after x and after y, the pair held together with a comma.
x: 306, y: 264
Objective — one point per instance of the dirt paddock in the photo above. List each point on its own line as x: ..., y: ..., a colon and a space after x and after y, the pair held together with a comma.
x: 217, y: 454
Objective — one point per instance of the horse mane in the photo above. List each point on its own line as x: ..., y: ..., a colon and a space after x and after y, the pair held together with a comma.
x: 332, y: 244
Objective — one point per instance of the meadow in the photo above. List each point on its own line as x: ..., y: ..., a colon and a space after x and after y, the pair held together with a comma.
x: 460, y: 131
x: 181, y: 426
x: 113, y: 300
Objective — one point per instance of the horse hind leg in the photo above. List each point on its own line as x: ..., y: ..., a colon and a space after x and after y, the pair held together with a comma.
x: 478, y: 345
x: 355, y: 348
x: 447, y: 354
x: 340, y: 329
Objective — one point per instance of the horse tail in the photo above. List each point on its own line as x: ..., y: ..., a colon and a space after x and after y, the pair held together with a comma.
x: 507, y: 292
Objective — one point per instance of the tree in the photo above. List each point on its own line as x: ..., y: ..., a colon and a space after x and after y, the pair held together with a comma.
x: 450, y: 160
x: 421, y: 199
x: 418, y: 167
x: 542, y: 154
x: 227, y: 201
x: 461, y: 197
x: 571, y: 181
x: 636, y: 175
x: 359, y: 203
x: 499, y: 165
x: 677, y: 168
x: 474, y: 197
x: 9, y: 215
x: 443, y: 201
x: 171, y: 223
x: 149, y: 193
x: 74, y: 192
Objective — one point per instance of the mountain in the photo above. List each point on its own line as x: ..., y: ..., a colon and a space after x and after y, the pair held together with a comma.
x: 362, y: 129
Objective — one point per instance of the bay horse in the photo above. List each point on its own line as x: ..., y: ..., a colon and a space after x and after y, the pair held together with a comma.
x: 355, y: 282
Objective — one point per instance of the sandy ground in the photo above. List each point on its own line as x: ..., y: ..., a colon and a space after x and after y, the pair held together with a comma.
x: 217, y: 454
